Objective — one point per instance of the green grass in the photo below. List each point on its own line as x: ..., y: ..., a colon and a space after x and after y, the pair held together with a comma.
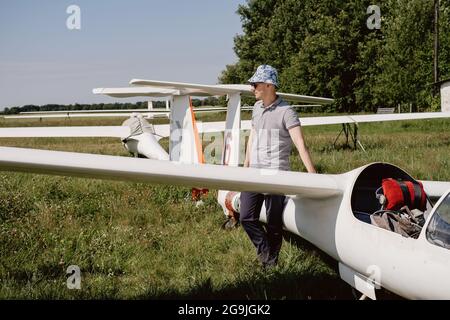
x: 141, y: 241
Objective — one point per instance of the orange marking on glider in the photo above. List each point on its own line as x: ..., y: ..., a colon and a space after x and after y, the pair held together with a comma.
x: 198, y: 144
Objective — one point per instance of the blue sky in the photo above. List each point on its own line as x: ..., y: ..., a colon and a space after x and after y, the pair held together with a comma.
x: 42, y: 61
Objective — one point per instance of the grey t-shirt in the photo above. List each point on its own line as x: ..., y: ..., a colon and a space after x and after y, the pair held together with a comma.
x: 271, y: 143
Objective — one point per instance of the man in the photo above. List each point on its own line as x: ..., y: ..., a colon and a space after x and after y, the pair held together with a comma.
x: 275, y: 126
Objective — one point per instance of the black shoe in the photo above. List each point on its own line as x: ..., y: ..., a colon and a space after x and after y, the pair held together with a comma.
x: 230, y: 224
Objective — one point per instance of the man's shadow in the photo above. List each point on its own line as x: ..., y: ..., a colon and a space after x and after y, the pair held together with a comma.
x: 274, y: 284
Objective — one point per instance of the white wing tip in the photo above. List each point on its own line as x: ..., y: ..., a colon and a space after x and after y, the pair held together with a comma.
x: 134, y: 81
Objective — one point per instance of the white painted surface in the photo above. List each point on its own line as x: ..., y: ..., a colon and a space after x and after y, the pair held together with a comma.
x: 208, y: 90
x: 230, y: 154
x: 435, y: 188
x: 122, y: 114
x: 217, y: 126
x: 84, y: 111
x: 182, y: 144
x: 107, y: 113
x: 167, y: 172
x: 84, y: 131
x: 147, y: 145
x: 357, y: 281
x: 445, y: 96
x: 178, y: 114
x: 134, y: 91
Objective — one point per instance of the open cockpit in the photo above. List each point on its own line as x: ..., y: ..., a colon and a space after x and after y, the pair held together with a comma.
x: 372, y: 206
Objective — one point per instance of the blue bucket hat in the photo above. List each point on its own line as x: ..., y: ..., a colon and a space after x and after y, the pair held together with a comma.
x: 265, y: 73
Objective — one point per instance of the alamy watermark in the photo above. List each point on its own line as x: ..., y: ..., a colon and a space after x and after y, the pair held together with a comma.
x: 73, y: 21
x: 74, y: 279
x: 222, y: 148
x: 374, y: 20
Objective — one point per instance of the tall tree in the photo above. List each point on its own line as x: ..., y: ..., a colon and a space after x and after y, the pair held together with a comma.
x: 406, y: 58
x: 326, y: 48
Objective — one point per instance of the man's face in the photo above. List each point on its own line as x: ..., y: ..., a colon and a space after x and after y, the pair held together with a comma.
x: 258, y: 89
x: 262, y: 90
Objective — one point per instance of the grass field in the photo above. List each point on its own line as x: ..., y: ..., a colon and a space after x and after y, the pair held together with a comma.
x: 141, y: 241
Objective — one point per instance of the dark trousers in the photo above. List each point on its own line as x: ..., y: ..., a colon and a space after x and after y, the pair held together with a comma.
x: 267, y: 242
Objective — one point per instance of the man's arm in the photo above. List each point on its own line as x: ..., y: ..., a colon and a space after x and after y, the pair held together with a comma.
x: 297, y: 137
x: 249, y: 148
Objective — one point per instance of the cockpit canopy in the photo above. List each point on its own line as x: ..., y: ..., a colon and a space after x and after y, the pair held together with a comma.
x: 438, y: 230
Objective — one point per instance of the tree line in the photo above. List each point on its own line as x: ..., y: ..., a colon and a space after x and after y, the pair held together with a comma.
x: 325, y: 48
x: 208, y: 101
